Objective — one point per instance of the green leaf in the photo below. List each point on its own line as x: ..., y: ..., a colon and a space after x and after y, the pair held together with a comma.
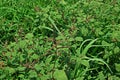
x: 84, y: 31
x: 60, y: 75
x: 98, y: 31
x: 21, y: 76
x: 117, y: 67
x: 32, y: 74
x: 85, y: 63
x: 8, y: 54
x: 113, y: 78
x: 79, y: 39
x: 37, y: 67
x: 34, y: 56
x: 116, y: 50
x: 22, y: 44
x: 48, y: 60
x: 29, y: 36
x: 71, y: 39
x: 105, y: 43
x: 2, y: 76
x: 11, y: 70
x: 45, y: 77
x: 44, y: 27
x: 21, y: 57
x: 117, y: 9
x: 101, y: 76
x: 63, y: 2
x: 30, y: 51
x: 21, y: 68
x: 80, y: 78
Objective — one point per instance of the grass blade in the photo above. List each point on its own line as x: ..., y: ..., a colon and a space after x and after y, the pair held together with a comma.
x: 84, y: 43
x: 50, y: 19
x: 97, y: 59
x: 88, y: 46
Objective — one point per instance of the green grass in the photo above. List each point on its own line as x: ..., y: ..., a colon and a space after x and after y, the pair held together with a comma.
x: 59, y: 40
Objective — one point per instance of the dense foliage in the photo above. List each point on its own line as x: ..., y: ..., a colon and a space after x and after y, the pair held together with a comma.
x: 59, y: 39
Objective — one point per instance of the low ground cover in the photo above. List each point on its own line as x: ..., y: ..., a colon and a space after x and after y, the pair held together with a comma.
x: 59, y: 40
